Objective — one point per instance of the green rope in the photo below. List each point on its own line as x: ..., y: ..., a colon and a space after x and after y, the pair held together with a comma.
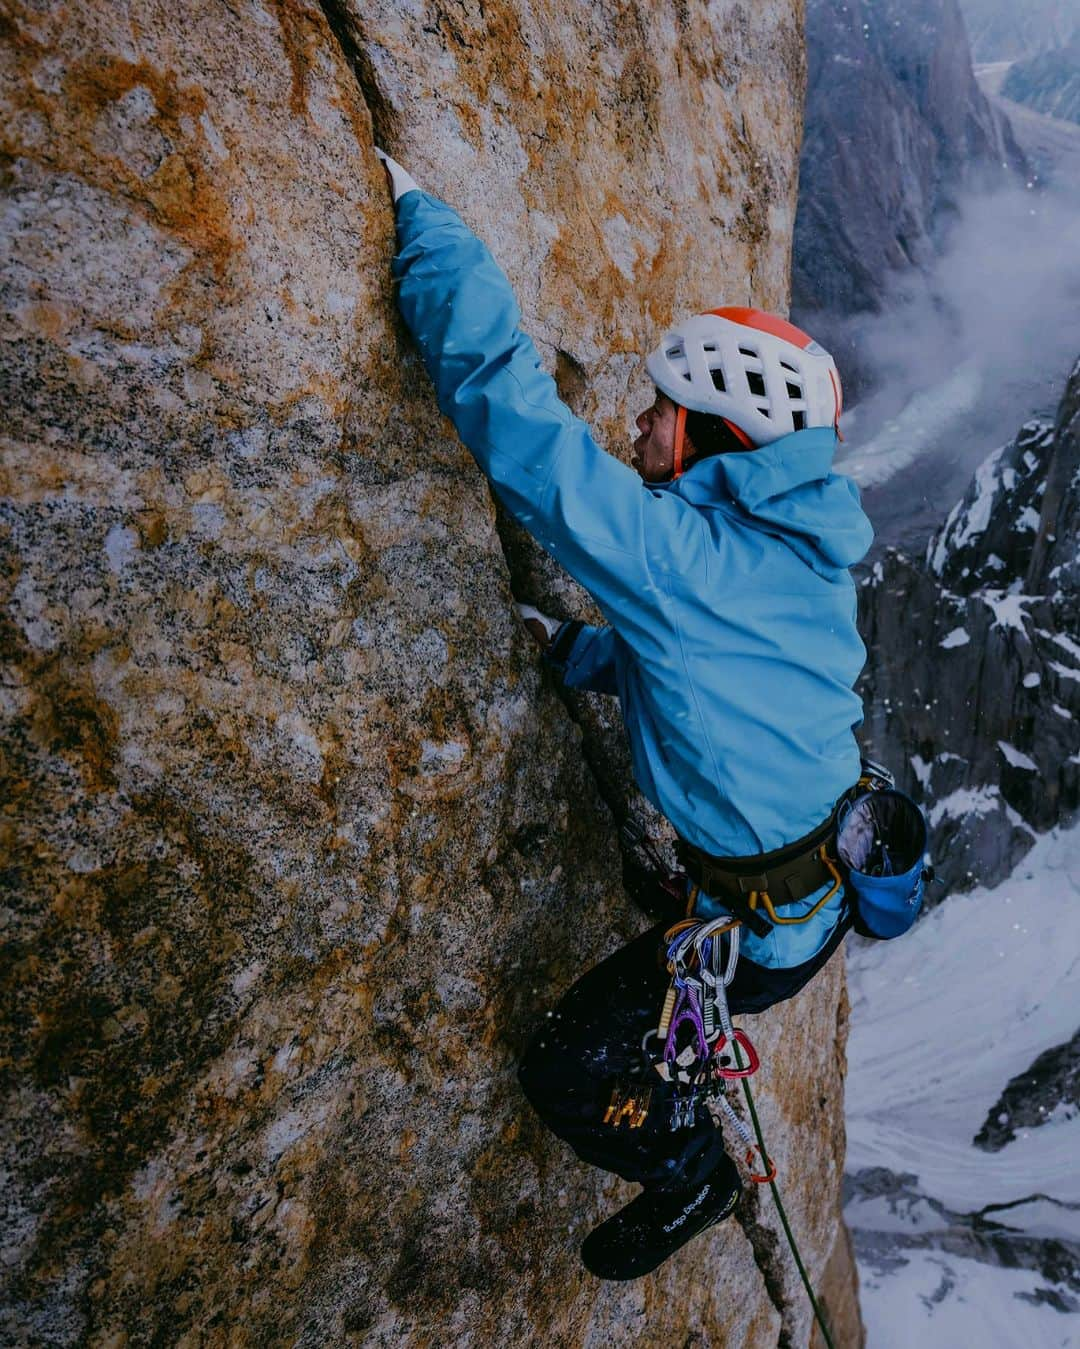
x: 780, y: 1207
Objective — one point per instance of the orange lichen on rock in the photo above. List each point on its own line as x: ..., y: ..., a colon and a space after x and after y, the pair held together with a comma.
x: 301, y: 843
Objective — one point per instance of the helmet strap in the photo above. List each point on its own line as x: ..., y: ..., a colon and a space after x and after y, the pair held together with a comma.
x: 839, y: 404
x: 739, y: 434
x: 680, y: 437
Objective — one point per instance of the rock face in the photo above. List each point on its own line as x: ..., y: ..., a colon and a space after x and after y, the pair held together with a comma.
x: 973, y: 686
x: 299, y: 842
x: 1004, y: 31
x: 1054, y: 1076
x: 895, y: 126
x: 1048, y: 82
x: 912, y: 1221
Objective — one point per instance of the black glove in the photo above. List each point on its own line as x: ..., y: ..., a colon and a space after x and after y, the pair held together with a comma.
x: 659, y: 894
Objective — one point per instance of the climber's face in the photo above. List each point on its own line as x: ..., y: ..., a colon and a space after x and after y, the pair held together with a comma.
x: 654, y: 449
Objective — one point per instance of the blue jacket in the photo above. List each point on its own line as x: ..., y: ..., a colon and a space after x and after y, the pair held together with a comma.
x: 732, y: 643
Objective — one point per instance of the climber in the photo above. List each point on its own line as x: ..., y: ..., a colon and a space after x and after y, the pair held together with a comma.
x: 721, y: 567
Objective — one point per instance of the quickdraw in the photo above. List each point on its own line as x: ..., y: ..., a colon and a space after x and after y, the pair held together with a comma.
x: 752, y: 1147
x: 695, y: 1028
x: 701, y: 1070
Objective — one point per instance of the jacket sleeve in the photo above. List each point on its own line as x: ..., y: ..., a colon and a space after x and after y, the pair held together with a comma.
x: 584, y: 656
x: 621, y: 541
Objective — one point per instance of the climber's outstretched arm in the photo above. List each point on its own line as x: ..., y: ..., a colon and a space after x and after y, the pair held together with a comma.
x: 622, y: 541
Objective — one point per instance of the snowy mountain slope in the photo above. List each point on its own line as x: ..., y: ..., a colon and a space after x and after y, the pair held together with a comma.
x: 972, y: 686
x: 963, y: 1189
x: 945, y: 1018
x: 1054, y: 1075
x: 940, y: 1023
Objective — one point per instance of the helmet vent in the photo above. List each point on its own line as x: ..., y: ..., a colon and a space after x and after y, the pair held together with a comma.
x: 754, y: 370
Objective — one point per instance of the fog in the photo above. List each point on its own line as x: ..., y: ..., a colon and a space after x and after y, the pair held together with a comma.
x: 962, y: 357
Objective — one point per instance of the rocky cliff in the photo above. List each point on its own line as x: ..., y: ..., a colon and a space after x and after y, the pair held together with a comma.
x: 896, y: 126
x: 299, y: 843
x: 1049, y: 82
x: 959, y: 1179
x: 1002, y: 30
x: 973, y: 684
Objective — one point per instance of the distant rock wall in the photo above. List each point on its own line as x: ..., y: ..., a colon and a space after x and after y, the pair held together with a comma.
x: 896, y: 126
x: 972, y: 689
x: 299, y: 841
x: 1048, y: 82
x: 1002, y: 30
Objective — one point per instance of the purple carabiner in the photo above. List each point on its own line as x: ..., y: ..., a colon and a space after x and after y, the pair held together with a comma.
x: 686, y: 1009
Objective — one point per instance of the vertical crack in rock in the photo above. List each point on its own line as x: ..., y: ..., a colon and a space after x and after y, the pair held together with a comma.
x: 287, y: 724
x: 571, y: 378
x: 768, y: 1256
x: 350, y: 38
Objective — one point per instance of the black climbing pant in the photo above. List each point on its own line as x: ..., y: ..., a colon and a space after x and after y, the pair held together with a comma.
x: 592, y: 1040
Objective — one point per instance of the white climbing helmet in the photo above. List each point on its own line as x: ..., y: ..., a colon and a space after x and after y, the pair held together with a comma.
x: 761, y: 374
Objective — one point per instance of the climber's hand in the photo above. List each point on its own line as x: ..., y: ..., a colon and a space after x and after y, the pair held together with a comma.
x: 541, y: 627
x: 400, y: 181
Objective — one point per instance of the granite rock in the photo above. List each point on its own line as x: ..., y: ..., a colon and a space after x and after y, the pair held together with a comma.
x: 299, y: 842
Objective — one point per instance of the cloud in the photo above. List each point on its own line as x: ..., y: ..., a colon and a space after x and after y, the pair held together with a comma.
x: 963, y: 355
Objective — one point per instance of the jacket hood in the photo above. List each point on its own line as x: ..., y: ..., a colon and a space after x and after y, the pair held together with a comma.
x: 788, y: 489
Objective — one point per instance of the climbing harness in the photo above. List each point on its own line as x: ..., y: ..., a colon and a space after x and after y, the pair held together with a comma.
x: 872, y: 844
x: 752, y: 888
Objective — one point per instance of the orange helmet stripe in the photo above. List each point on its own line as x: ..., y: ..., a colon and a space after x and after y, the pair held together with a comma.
x: 765, y: 323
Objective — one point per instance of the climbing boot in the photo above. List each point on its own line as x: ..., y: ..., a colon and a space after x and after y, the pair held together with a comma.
x: 655, y: 1224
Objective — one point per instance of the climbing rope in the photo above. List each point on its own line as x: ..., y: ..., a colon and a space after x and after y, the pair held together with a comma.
x: 697, y: 1000
x: 693, y: 1000
x: 770, y: 1170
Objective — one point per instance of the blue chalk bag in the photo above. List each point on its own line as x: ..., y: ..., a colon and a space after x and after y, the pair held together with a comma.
x: 881, y: 840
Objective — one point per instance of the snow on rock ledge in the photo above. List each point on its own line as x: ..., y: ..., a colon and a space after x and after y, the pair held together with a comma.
x: 973, y: 675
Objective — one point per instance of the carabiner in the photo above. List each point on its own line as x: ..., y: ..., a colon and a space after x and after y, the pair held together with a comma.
x: 759, y: 1180
x: 741, y: 1038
